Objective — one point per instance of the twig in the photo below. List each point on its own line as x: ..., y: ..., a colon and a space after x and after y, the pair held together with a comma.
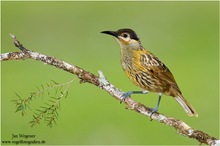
x: 104, y: 84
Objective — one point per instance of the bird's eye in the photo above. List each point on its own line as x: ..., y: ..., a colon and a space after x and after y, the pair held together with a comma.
x: 125, y: 35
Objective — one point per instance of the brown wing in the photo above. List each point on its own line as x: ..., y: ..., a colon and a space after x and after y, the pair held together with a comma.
x: 153, y: 64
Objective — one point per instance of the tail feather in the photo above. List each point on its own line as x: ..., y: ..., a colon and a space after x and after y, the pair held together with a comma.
x: 186, y: 106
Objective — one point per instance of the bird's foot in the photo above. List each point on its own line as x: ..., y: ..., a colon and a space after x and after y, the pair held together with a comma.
x: 153, y: 110
x: 125, y: 95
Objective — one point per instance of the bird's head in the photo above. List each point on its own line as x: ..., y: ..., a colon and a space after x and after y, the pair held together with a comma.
x: 126, y: 38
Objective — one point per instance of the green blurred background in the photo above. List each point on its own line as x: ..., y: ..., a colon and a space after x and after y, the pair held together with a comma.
x: 184, y: 35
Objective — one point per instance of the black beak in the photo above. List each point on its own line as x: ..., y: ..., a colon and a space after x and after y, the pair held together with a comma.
x: 113, y: 33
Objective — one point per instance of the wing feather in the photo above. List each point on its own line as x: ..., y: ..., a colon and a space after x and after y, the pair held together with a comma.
x: 154, y: 65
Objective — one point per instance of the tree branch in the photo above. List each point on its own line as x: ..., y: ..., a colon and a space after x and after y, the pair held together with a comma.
x: 104, y: 84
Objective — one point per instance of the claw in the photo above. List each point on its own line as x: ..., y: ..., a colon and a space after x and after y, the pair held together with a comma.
x: 153, y: 110
x: 125, y: 95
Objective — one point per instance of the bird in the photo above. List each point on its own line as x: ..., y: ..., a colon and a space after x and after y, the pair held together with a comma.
x: 146, y: 71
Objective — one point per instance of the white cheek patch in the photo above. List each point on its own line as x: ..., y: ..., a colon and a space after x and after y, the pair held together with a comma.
x: 124, y: 40
x: 134, y: 44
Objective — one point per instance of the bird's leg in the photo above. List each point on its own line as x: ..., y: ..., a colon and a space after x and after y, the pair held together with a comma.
x: 154, y: 110
x: 127, y: 94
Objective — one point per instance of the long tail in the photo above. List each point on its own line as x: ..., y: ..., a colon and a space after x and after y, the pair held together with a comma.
x: 186, y: 106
